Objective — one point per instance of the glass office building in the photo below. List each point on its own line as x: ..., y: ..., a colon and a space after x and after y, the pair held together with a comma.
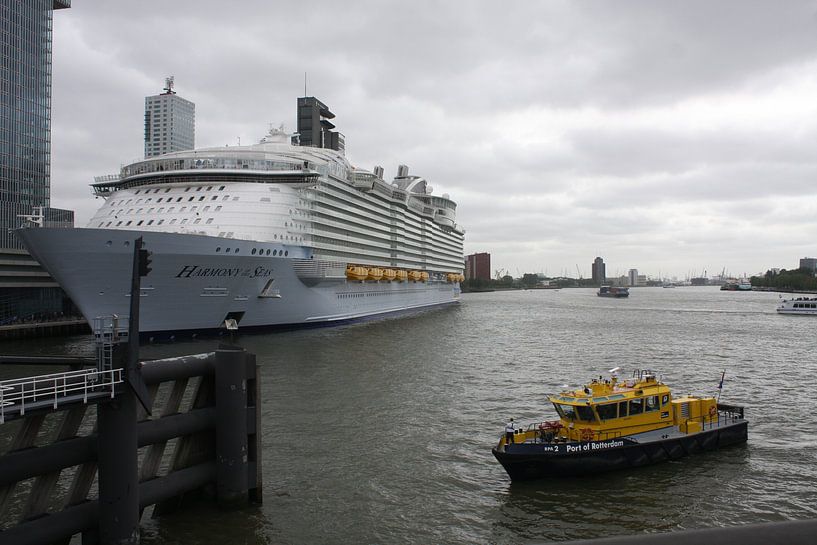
x: 25, y: 114
x: 27, y: 293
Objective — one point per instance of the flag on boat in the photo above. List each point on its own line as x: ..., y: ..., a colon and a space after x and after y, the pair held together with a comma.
x: 720, y: 384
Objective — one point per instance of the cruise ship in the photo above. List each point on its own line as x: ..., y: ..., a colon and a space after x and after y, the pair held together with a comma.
x: 283, y: 233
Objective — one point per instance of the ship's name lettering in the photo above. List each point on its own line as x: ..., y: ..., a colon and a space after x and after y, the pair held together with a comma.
x: 195, y: 271
x: 594, y: 446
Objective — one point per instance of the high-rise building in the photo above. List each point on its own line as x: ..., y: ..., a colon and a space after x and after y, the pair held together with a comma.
x: 478, y: 266
x: 25, y: 114
x: 170, y: 122
x: 809, y: 263
x: 314, y: 127
x: 26, y: 291
x: 599, y: 271
x: 632, y: 274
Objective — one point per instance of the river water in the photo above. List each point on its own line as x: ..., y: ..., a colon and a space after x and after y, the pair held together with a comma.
x: 381, y: 432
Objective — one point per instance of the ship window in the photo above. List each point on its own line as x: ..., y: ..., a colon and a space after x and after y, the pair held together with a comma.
x: 286, y: 253
x: 171, y: 209
x: 183, y: 221
x: 182, y: 209
x: 172, y: 221
x: 137, y: 191
x: 253, y: 251
x: 622, y: 409
x: 179, y: 199
x: 151, y: 210
x: 190, y: 199
x: 159, y: 200
x: 140, y: 222
x: 198, y: 188
x: 160, y: 222
x: 214, y: 198
x: 227, y: 251
x: 267, y: 251
x: 585, y: 413
x: 128, y: 223
x: 218, y: 208
x: 607, y: 411
x: 198, y: 220
x: 636, y: 406
x: 167, y: 190
x: 209, y: 188
x: 209, y: 221
x: 201, y: 198
x: 218, y: 249
x: 118, y: 223
x: 186, y: 189
x: 150, y: 222
x: 194, y: 208
x: 221, y: 188
x: 652, y: 403
x: 275, y: 252
x: 159, y: 211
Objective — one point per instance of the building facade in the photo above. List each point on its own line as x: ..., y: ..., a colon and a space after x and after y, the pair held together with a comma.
x: 27, y: 292
x: 170, y: 122
x: 314, y: 127
x: 632, y: 276
x: 809, y: 263
x: 599, y: 271
x: 25, y: 113
x: 478, y: 267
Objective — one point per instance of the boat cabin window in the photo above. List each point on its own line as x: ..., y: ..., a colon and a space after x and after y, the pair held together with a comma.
x: 622, y: 409
x: 607, y: 411
x: 651, y: 403
x: 636, y: 406
x: 572, y: 412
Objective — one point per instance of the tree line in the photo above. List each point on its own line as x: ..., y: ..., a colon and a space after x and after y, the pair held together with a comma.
x: 797, y: 279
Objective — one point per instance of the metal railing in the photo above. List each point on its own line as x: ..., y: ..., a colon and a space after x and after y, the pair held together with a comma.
x: 36, y: 392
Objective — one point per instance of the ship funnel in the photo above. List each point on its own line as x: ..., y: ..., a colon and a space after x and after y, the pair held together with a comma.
x: 378, y: 171
x: 402, y: 171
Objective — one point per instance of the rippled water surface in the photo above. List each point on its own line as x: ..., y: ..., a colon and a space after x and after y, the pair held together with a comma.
x: 381, y: 432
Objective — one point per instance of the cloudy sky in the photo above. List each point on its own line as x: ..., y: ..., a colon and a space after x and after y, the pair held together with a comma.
x: 671, y: 137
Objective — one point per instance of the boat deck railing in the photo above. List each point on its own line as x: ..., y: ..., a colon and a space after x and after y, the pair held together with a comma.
x: 548, y: 432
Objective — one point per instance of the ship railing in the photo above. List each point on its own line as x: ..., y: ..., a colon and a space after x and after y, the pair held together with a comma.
x: 43, y: 391
x: 725, y: 416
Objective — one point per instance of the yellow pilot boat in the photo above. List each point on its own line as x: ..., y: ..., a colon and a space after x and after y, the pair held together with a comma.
x: 612, y: 424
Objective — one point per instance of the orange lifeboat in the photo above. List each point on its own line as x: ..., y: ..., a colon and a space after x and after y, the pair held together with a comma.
x: 355, y: 272
x: 414, y: 276
x: 460, y: 278
x: 423, y: 276
x: 375, y: 273
x: 402, y: 275
x: 452, y: 277
x: 389, y: 274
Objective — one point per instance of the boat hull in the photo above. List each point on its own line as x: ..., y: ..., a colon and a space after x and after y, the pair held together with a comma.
x: 198, y: 281
x: 536, y: 461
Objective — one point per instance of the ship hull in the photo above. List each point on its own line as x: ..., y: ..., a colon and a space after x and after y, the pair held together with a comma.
x: 535, y: 461
x: 196, y: 282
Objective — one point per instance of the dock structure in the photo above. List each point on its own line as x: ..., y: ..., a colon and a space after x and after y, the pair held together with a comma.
x: 205, y: 433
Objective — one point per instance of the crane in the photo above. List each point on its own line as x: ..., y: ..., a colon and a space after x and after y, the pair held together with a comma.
x: 578, y: 271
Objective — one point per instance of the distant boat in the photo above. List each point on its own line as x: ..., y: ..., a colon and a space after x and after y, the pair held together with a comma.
x: 613, y: 291
x: 806, y: 306
x: 668, y: 285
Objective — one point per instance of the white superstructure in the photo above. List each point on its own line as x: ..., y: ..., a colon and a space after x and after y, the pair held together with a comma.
x: 799, y: 306
x: 268, y: 234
